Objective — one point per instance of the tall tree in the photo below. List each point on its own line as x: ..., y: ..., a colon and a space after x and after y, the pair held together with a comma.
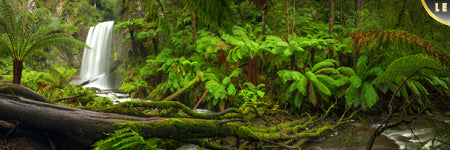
x: 27, y: 33
x: 331, y: 17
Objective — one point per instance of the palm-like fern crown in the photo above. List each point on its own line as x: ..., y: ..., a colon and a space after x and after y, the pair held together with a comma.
x: 28, y: 32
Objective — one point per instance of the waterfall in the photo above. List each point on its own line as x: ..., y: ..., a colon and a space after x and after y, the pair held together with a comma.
x: 96, y: 59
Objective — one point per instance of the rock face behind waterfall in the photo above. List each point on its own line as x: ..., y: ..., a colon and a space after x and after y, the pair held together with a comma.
x: 95, y: 65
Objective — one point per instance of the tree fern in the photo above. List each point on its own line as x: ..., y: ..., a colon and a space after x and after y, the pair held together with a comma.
x: 29, y: 32
x: 321, y: 79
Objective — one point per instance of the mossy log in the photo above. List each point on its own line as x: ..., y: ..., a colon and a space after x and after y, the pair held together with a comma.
x: 85, y: 126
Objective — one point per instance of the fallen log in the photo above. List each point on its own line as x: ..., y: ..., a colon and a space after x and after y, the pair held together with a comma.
x: 85, y: 127
x: 19, y: 90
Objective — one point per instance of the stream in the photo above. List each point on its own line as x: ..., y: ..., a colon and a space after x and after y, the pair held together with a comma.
x: 353, y: 137
x: 418, y: 134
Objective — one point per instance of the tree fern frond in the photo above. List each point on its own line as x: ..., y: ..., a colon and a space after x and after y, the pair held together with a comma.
x: 327, y: 80
x: 439, y: 82
x: 375, y: 71
x: 420, y: 87
x: 290, y: 75
x: 361, y: 65
x: 355, y: 81
x: 323, y: 64
x: 216, y: 89
x: 369, y: 37
x: 347, y: 71
x: 370, y: 95
x: 404, y: 66
x: 8, y: 14
x: 318, y: 84
x: 412, y: 87
x: 327, y: 71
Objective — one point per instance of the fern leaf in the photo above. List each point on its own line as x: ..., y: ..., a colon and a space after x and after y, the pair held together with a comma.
x: 226, y: 80
x: 287, y: 75
x: 327, y: 80
x: 293, y: 87
x: 323, y: 64
x: 231, y: 90
x: 438, y: 81
x: 312, y: 94
x: 298, y: 100
x: 375, y: 71
x: 420, y: 87
x: 216, y: 89
x: 370, y: 95
x: 347, y: 71
x: 369, y: 37
x: 235, y: 72
x: 327, y: 71
x: 404, y: 66
x: 413, y: 87
x: 318, y: 84
x: 355, y: 81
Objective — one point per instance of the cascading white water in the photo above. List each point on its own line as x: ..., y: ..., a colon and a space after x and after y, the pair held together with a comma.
x: 96, y: 59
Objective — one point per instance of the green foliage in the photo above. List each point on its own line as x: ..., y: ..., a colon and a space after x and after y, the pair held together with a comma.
x: 215, y: 13
x: 28, y: 33
x: 398, y: 70
x: 361, y: 91
x: 220, y: 87
x: 135, y: 87
x: 246, y: 42
x: 322, y: 79
x: 250, y: 94
x: 126, y: 138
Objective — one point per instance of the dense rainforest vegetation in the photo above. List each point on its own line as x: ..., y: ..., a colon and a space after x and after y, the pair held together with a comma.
x: 306, y: 62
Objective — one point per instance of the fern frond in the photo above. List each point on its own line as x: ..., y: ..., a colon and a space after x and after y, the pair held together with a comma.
x: 216, y: 89
x: 318, y: 84
x: 346, y: 71
x: 404, y: 66
x: 214, y: 13
x: 324, y: 64
x: 8, y: 14
x: 369, y: 37
x: 370, y: 94
x: 290, y: 75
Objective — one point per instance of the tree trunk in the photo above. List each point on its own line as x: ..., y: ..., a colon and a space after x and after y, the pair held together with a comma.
x: 287, y: 17
x: 17, y: 71
x: 264, y: 13
x: 343, y: 12
x: 155, y: 46
x: 252, y: 73
x: 194, y: 26
x: 221, y: 58
x: 358, y: 9
x: 331, y: 17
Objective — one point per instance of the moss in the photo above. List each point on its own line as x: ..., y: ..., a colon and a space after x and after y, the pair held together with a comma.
x: 177, y: 122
